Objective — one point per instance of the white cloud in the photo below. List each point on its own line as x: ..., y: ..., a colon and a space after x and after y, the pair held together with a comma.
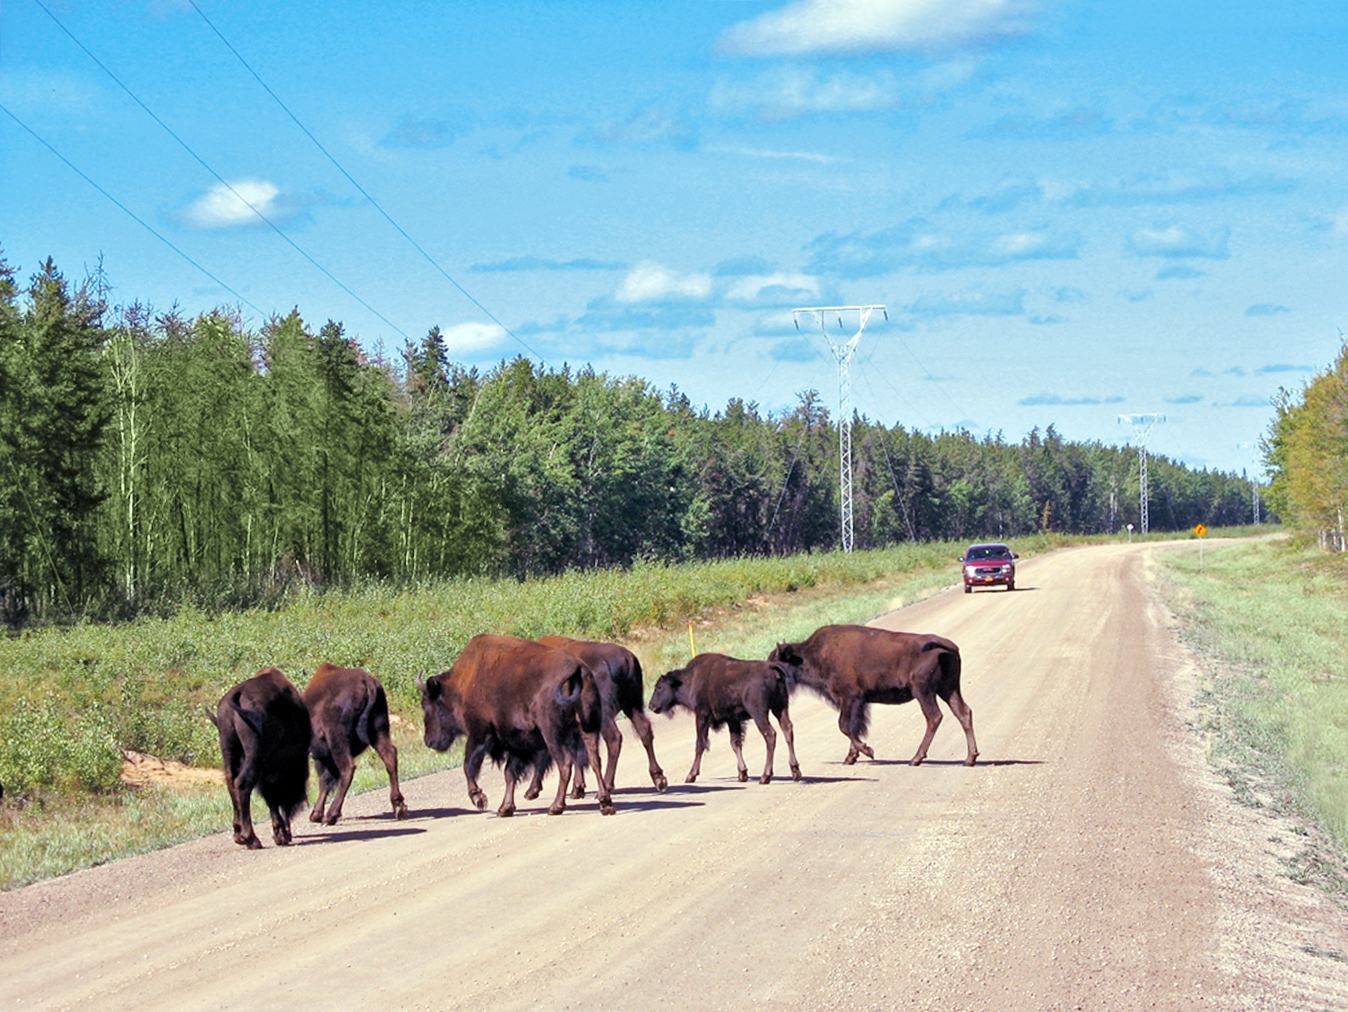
x: 751, y: 287
x: 468, y: 338
x: 222, y: 207
x: 649, y: 281
x: 787, y: 92
x: 1177, y: 241
x: 810, y: 27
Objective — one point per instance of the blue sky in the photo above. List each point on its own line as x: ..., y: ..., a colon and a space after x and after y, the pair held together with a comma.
x: 1072, y: 209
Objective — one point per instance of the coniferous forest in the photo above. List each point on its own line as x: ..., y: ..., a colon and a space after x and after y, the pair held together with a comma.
x: 148, y: 459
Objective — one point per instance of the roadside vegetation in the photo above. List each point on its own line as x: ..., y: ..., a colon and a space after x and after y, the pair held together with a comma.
x: 1270, y: 620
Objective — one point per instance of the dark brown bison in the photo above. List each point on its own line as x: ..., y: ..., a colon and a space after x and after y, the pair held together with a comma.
x: 622, y: 688
x: 264, y: 740
x: 852, y: 666
x: 723, y: 690
x: 525, y: 705
x: 349, y: 713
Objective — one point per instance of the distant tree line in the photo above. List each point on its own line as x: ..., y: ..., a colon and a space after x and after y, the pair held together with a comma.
x: 1306, y: 455
x: 148, y: 459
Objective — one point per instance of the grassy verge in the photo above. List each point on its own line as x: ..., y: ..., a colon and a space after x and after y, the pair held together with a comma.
x: 1270, y: 620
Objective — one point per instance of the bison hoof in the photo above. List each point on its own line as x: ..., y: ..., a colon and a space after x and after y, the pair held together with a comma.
x: 479, y: 799
x: 332, y: 818
x: 532, y: 793
x: 578, y: 792
x: 661, y: 784
x: 851, y: 759
x: 868, y: 752
x: 691, y: 779
x: 251, y: 842
x: 505, y: 812
x: 606, y: 808
x: 971, y: 760
x: 316, y: 814
x: 556, y: 809
x: 795, y: 773
x: 744, y: 776
x: 766, y: 778
x: 400, y: 811
x: 916, y: 760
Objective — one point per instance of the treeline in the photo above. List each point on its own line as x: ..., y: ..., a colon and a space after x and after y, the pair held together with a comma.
x: 1306, y: 455
x: 147, y: 459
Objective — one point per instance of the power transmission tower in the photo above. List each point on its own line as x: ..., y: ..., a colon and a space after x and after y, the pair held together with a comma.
x: 1141, y: 428
x: 843, y: 353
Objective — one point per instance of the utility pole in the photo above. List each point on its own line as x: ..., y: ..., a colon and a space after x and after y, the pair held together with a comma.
x: 1142, y: 425
x: 843, y: 351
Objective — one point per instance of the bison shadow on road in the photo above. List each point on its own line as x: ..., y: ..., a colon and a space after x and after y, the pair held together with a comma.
x: 959, y: 763
x: 354, y: 833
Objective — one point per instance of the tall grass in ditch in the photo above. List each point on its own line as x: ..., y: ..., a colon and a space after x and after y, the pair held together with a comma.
x: 1272, y: 618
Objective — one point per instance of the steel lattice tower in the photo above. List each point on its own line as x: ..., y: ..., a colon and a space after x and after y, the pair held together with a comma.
x: 843, y: 353
x: 1141, y: 428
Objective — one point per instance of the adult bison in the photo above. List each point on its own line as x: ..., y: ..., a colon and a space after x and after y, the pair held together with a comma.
x: 852, y: 666
x: 525, y: 705
x: 727, y: 691
x: 349, y: 713
x: 622, y: 688
x: 264, y: 740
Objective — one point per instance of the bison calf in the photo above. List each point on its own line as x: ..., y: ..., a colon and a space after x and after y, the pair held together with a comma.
x: 852, y: 666
x: 264, y: 740
x: 525, y: 705
x: 349, y: 713
x: 723, y: 690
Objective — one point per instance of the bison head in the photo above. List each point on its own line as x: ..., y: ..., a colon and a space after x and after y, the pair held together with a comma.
x: 441, y: 727
x: 665, y: 695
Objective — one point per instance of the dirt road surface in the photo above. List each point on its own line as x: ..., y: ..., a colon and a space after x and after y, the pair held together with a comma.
x: 1089, y: 861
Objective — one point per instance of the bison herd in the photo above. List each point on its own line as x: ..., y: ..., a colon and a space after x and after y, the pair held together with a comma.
x: 532, y: 705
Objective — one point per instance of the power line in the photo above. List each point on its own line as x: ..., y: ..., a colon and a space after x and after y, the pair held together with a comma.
x: 186, y: 147
x: 129, y: 212
x: 373, y: 203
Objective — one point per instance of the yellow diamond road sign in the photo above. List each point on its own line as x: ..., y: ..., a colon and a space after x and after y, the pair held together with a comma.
x: 1200, y: 530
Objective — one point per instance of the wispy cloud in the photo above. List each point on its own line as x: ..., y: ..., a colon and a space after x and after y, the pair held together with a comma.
x: 970, y: 304
x: 804, y: 156
x: 1178, y: 241
x: 1283, y: 367
x: 650, y: 126
x: 242, y: 204
x: 1180, y: 272
x: 427, y: 132
x: 532, y: 263
x: 917, y: 244
x: 587, y: 174
x: 834, y: 27
x: 1266, y: 309
x: 1067, y: 125
x: 796, y: 350
x: 1184, y: 399
x: 1055, y: 401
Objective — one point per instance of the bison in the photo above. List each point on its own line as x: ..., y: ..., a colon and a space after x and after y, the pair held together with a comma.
x: 525, y: 705
x: 264, y: 740
x: 852, y: 666
x: 724, y: 690
x: 349, y: 713
x: 617, y: 675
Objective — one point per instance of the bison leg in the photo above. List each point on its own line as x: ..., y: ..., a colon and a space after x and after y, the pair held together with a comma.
x: 578, y: 791
x: 473, y: 756
x: 770, y: 740
x: 346, y: 772
x: 327, y: 780
x: 601, y: 788
x: 514, y: 767
x: 789, y: 731
x: 613, y: 745
x: 388, y: 752
x: 932, y: 712
x: 852, y: 723
x: 280, y: 827
x: 703, y: 731
x: 737, y: 745
x: 535, y: 785
x: 965, y: 716
x: 642, y: 723
x: 241, y: 797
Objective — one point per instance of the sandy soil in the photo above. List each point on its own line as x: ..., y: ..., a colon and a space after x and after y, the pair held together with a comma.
x: 1090, y: 861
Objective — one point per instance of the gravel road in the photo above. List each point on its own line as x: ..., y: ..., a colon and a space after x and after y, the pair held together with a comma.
x: 1089, y: 861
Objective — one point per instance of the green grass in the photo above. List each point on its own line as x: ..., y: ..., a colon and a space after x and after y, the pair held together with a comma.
x: 1270, y: 618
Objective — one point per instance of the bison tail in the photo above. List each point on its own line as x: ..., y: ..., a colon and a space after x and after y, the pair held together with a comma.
x: 568, y: 692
